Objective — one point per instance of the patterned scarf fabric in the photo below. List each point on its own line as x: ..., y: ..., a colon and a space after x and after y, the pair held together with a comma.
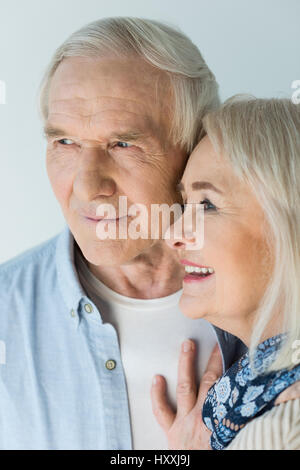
x: 242, y: 394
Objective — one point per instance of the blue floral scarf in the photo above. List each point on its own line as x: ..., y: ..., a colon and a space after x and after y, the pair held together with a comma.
x: 242, y: 394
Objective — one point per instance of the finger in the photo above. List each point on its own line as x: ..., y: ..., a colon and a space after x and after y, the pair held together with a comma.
x: 213, y: 371
x: 162, y: 411
x: 186, y: 385
x: 290, y: 393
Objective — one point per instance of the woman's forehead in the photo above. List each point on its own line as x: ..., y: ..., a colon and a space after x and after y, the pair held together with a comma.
x: 203, y: 161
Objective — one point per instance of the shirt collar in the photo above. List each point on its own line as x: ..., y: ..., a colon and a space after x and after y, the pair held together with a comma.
x: 72, y: 292
x: 68, y: 280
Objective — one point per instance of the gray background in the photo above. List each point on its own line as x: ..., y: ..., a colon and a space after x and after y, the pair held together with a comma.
x: 251, y: 45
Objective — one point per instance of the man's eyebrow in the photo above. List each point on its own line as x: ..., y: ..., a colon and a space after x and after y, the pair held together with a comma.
x: 197, y: 185
x: 130, y: 136
x: 180, y: 187
x: 51, y: 131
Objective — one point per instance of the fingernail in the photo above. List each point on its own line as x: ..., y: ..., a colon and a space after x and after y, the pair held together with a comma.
x: 187, y: 346
x: 154, y: 381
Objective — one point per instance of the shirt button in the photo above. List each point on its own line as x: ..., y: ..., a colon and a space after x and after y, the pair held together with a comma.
x: 88, y: 308
x: 73, y: 314
x: 110, y: 364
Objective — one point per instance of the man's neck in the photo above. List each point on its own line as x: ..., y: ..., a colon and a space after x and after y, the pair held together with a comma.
x: 153, y: 274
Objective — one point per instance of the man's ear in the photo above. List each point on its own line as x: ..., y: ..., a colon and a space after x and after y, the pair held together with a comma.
x: 290, y: 393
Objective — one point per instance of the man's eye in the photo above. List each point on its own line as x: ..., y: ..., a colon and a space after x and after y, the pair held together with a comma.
x: 123, y: 145
x: 65, y: 142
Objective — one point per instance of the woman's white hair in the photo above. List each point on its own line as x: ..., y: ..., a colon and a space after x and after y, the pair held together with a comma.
x: 194, y: 86
x: 261, y: 139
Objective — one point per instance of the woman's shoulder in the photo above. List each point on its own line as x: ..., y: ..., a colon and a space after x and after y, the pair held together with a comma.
x: 278, y: 428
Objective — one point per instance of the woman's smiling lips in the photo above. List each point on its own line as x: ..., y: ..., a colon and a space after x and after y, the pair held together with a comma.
x: 196, y: 272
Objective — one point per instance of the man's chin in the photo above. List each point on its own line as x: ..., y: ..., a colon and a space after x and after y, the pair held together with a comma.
x: 112, y: 252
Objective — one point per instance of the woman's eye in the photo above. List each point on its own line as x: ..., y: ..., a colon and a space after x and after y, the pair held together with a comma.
x: 208, y: 205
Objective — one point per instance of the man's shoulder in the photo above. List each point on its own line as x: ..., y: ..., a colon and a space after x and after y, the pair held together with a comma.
x: 28, y: 259
x: 29, y: 284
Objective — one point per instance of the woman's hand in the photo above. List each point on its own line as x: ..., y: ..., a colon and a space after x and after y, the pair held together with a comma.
x: 185, y: 428
x: 290, y: 393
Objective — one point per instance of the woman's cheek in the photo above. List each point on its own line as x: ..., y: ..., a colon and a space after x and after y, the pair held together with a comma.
x: 225, y: 250
x: 240, y: 278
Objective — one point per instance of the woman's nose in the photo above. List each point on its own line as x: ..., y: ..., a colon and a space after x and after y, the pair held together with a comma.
x: 179, y: 239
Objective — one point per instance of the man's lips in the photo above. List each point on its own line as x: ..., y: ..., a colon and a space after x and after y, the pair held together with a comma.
x: 103, y: 219
x: 97, y: 218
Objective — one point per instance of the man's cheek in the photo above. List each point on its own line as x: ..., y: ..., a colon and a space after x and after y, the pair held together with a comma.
x: 62, y: 193
x: 61, y: 185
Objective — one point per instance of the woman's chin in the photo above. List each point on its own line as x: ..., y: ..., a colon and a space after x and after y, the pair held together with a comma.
x: 192, y: 307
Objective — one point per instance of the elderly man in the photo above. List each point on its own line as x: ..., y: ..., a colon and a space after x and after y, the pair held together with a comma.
x: 87, y: 322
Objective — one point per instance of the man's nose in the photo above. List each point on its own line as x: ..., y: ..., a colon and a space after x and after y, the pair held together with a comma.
x: 94, y: 176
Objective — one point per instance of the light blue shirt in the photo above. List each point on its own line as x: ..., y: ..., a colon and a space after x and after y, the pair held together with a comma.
x: 62, y: 384
x: 55, y: 389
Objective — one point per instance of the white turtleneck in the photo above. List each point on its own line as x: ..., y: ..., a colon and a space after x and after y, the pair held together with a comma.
x: 150, y: 333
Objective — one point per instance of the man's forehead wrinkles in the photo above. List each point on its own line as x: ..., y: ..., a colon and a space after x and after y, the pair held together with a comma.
x: 103, y: 116
x: 88, y: 107
x: 103, y: 97
x: 59, y: 124
x: 89, y: 121
x: 117, y: 79
x: 94, y: 117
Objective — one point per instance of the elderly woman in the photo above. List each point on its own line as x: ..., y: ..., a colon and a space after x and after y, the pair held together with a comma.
x: 245, y: 279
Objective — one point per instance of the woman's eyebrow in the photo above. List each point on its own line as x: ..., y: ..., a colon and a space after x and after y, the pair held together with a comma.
x: 197, y: 185
x: 205, y: 185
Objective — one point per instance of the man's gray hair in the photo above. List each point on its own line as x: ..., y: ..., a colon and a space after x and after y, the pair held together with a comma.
x: 194, y: 86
